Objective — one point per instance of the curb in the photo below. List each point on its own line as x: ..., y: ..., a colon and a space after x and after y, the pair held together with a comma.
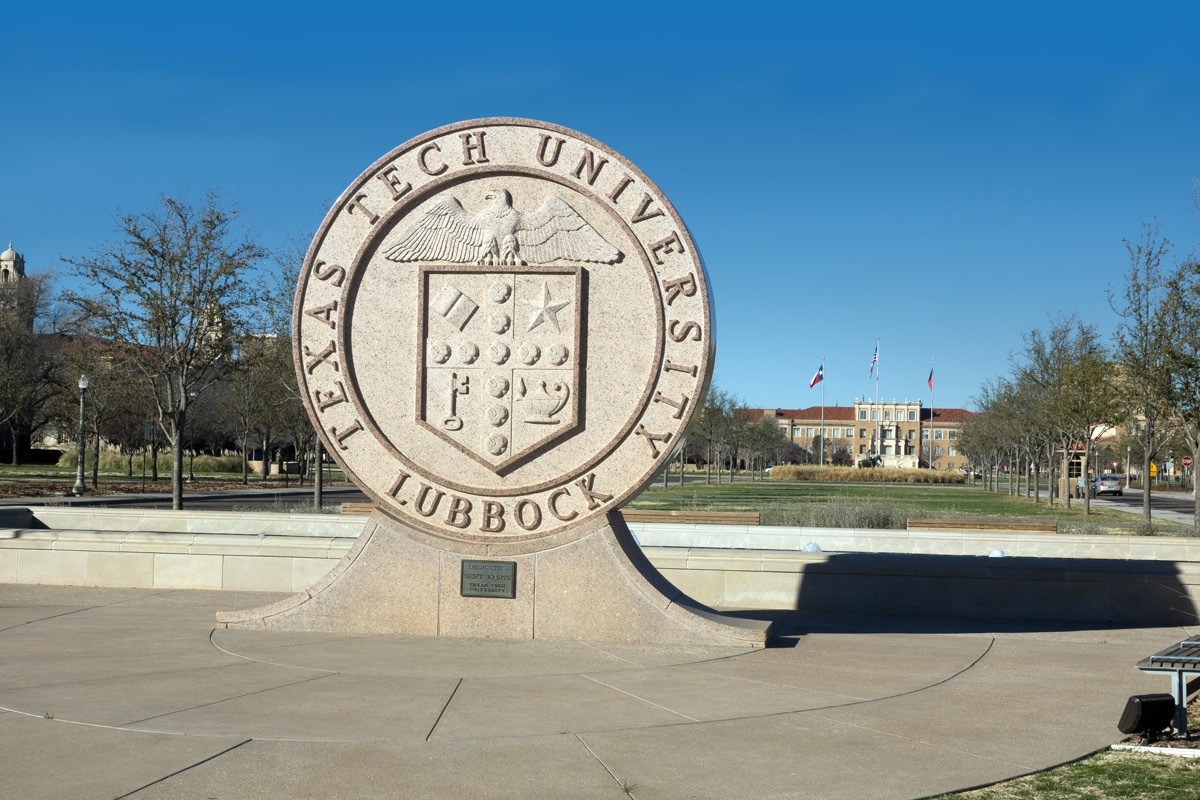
x: 1182, y: 752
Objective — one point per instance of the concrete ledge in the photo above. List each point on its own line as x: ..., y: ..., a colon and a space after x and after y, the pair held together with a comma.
x: 1098, y: 579
x: 950, y: 543
x: 163, y: 521
x: 168, y: 560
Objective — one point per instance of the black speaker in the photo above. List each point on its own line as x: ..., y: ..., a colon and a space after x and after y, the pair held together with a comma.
x: 1147, y: 713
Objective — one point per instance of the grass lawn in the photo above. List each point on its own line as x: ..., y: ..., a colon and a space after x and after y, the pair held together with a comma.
x: 798, y: 502
x: 35, y: 473
x: 1108, y: 775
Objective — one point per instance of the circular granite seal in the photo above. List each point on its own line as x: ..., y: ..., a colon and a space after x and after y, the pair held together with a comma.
x: 502, y: 331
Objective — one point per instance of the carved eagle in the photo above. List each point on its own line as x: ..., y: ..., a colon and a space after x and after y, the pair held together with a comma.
x: 501, y: 235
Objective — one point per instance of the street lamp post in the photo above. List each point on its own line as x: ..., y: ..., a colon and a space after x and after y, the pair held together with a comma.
x: 80, y: 488
x: 191, y: 443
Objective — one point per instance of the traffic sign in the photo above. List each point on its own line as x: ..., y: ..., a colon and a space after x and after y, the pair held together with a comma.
x: 1116, y: 464
x: 1153, y: 470
x: 1187, y: 461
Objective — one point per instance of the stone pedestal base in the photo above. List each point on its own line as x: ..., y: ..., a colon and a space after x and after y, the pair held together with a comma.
x: 598, y: 587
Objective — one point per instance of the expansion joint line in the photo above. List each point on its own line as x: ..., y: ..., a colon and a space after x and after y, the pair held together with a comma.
x: 442, y: 713
x: 184, y: 769
x: 52, y: 616
x: 624, y: 786
x: 640, y: 699
x: 225, y: 700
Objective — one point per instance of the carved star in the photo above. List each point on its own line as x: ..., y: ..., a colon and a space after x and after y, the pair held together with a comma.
x: 545, y: 310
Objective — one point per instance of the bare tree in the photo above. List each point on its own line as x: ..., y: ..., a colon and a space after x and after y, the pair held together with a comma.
x: 764, y: 441
x: 1071, y: 367
x: 170, y: 291
x: 987, y: 435
x: 30, y: 350
x: 712, y: 427
x: 1183, y: 359
x: 1143, y: 338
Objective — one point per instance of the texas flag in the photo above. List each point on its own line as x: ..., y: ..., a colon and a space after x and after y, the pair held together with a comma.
x: 820, y: 376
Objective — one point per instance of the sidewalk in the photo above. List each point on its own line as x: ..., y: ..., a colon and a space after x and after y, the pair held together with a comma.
x: 190, y: 494
x: 109, y: 693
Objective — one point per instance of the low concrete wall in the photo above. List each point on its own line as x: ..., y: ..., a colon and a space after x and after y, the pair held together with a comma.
x: 1085, y: 590
x: 146, y: 548
x: 86, y: 518
x: 289, y: 552
x: 949, y: 543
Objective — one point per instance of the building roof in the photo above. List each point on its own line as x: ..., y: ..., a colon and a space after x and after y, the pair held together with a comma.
x: 9, y: 254
x: 832, y: 413
x: 846, y: 414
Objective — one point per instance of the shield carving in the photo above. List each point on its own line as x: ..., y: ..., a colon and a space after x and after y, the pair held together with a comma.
x: 499, y: 372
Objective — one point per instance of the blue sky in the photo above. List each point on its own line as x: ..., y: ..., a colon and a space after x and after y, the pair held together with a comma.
x: 946, y: 175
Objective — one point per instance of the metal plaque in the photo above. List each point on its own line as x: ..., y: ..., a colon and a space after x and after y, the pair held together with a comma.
x: 489, y: 579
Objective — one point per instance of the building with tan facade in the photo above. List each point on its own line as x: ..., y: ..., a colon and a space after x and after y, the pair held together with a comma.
x: 902, y: 434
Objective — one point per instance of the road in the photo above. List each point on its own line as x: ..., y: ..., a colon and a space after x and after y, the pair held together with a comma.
x: 1175, y: 506
x: 1171, y: 502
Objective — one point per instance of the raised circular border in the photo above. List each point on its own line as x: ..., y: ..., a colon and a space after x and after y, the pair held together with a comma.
x: 529, y: 541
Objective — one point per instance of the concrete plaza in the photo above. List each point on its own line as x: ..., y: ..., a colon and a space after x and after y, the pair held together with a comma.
x: 108, y: 693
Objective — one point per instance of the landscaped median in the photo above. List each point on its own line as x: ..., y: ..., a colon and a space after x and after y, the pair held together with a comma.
x: 810, y: 472
x: 834, y: 504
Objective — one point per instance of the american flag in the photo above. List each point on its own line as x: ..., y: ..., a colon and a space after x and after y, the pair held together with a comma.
x: 874, y: 361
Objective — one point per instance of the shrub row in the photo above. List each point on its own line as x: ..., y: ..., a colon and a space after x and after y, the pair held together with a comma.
x: 112, y: 462
x: 841, y: 513
x: 808, y: 472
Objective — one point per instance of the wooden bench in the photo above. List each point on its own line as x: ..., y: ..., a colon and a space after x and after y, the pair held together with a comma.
x: 984, y: 525
x: 358, y: 508
x: 701, y: 517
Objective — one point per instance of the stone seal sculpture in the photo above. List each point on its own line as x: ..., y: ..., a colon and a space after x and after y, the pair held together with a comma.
x: 502, y: 331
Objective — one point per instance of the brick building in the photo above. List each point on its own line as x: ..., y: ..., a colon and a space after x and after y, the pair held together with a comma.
x: 902, y: 434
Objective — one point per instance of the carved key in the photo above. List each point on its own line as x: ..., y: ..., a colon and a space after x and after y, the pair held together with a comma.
x: 457, y: 386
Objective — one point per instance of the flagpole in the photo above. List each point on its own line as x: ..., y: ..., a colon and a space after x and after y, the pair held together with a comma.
x: 932, y: 412
x: 822, y: 412
x: 878, y: 442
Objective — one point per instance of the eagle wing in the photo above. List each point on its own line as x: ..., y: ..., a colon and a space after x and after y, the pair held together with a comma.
x: 445, y: 232
x: 556, y: 232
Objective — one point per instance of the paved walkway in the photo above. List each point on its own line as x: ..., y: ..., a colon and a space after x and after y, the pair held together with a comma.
x: 332, y: 494
x: 132, y: 693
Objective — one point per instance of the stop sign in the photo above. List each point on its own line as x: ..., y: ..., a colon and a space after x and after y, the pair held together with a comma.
x: 1187, y: 461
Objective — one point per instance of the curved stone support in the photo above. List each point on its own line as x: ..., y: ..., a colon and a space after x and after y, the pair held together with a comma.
x: 598, y: 587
